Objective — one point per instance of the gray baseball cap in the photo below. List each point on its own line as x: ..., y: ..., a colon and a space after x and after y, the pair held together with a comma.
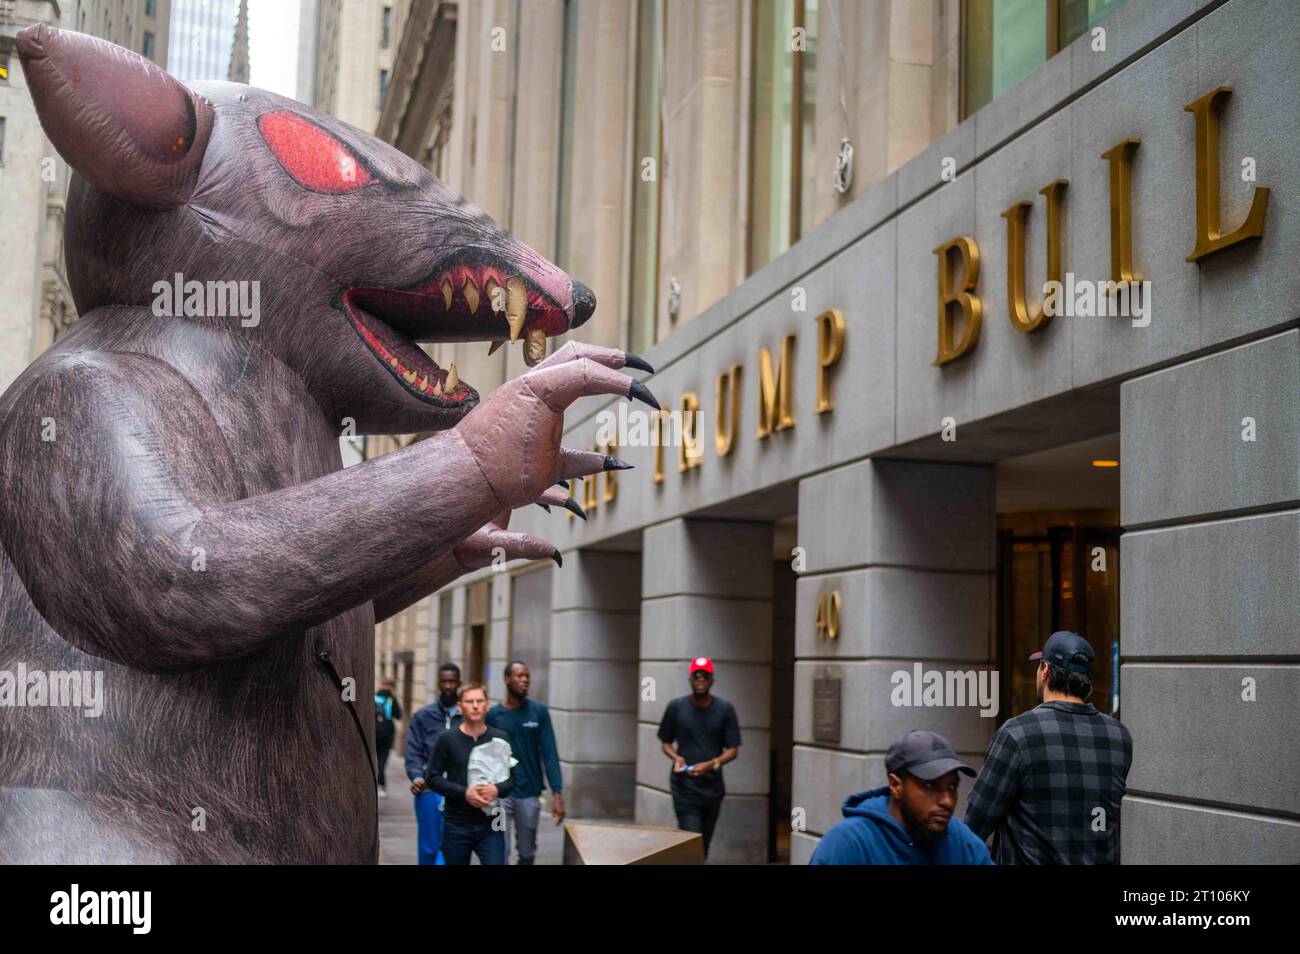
x: 927, y: 755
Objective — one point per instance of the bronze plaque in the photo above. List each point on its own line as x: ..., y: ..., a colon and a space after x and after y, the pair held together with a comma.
x: 826, y: 708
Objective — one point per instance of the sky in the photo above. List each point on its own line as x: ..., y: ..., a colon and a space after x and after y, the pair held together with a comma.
x: 273, y: 45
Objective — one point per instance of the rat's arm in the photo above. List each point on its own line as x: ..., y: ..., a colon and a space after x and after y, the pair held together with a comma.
x: 491, y: 542
x: 474, y: 553
x: 199, y: 577
x: 479, y: 549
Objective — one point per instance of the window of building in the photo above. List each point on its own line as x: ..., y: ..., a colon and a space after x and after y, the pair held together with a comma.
x: 444, y: 628
x: 648, y: 157
x: 151, y: 8
x: 383, y: 86
x: 2, y: 140
x: 805, y: 74
x: 478, y: 600
x: 387, y: 30
x: 530, y: 627
x: 782, y: 120
x: 1006, y: 40
x: 437, y: 155
x: 147, y: 47
x: 568, y: 97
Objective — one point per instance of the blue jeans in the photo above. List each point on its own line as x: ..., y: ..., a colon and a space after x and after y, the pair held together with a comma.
x: 428, y: 820
x: 521, y: 816
x: 459, y: 840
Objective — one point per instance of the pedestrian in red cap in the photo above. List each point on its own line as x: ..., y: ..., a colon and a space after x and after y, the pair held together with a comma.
x: 706, y: 735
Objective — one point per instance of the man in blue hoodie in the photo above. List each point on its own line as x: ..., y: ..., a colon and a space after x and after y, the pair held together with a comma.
x: 909, y: 821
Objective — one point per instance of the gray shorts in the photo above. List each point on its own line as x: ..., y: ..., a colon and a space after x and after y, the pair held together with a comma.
x: 522, y: 815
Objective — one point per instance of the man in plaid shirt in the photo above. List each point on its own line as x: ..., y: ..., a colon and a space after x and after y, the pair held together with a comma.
x: 1053, y: 777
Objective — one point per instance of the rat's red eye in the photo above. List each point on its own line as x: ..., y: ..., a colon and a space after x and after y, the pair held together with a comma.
x: 316, y: 160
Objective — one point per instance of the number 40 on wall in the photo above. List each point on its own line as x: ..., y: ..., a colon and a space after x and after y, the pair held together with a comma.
x: 828, y: 615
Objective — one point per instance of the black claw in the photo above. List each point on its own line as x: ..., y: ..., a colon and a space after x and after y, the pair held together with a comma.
x: 575, y: 508
x: 632, y: 361
x: 562, y: 483
x: 613, y: 463
x: 542, y: 505
x: 559, y: 560
x: 639, y: 390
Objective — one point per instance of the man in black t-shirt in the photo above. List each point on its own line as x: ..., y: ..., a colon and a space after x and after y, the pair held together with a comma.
x: 707, y: 737
x: 474, y: 822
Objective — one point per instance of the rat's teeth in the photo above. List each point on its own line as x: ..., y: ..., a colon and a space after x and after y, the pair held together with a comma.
x: 516, y: 297
x: 516, y: 326
x: 471, y: 296
x: 453, y: 381
x: 424, y: 385
x: 437, y: 388
x: 492, y: 349
x: 393, y: 362
x: 494, y: 295
x: 516, y: 306
x: 446, y: 293
x: 534, y: 347
x: 409, y: 377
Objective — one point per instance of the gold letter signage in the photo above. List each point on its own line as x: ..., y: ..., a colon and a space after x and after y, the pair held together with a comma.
x: 1021, y: 318
x: 830, y: 345
x: 1121, y: 209
x: 953, y: 293
x: 1208, y: 240
x: 776, y: 392
x: 689, y: 453
x: 727, y: 412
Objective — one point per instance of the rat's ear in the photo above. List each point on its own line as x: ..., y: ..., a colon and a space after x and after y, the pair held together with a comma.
x: 126, y: 126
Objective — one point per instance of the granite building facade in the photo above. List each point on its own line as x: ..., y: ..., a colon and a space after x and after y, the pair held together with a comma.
x: 888, y: 454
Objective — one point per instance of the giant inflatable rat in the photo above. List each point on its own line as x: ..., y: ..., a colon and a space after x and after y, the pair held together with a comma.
x: 175, y: 513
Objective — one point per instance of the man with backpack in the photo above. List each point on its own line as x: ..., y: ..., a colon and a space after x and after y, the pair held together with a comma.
x: 387, y: 711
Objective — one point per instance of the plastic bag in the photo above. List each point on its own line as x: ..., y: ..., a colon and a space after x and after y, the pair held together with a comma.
x: 489, y: 763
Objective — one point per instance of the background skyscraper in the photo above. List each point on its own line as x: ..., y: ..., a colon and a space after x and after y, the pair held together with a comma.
x: 238, y: 70
x: 202, y: 38
x: 37, y: 307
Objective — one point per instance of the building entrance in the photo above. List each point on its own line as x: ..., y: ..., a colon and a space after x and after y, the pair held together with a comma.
x: 1058, y: 565
x: 781, y: 754
x: 1054, y: 576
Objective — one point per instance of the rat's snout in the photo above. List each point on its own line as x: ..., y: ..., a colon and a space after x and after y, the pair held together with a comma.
x: 584, y: 304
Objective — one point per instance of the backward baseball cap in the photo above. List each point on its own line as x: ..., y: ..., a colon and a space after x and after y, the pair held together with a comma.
x: 927, y: 755
x: 1068, y: 650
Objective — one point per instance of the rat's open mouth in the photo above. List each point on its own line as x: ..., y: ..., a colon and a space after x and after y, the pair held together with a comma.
x: 462, y: 302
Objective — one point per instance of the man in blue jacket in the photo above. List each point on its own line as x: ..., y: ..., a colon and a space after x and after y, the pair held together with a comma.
x: 910, y: 821
x: 532, y: 738
x: 426, y: 725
